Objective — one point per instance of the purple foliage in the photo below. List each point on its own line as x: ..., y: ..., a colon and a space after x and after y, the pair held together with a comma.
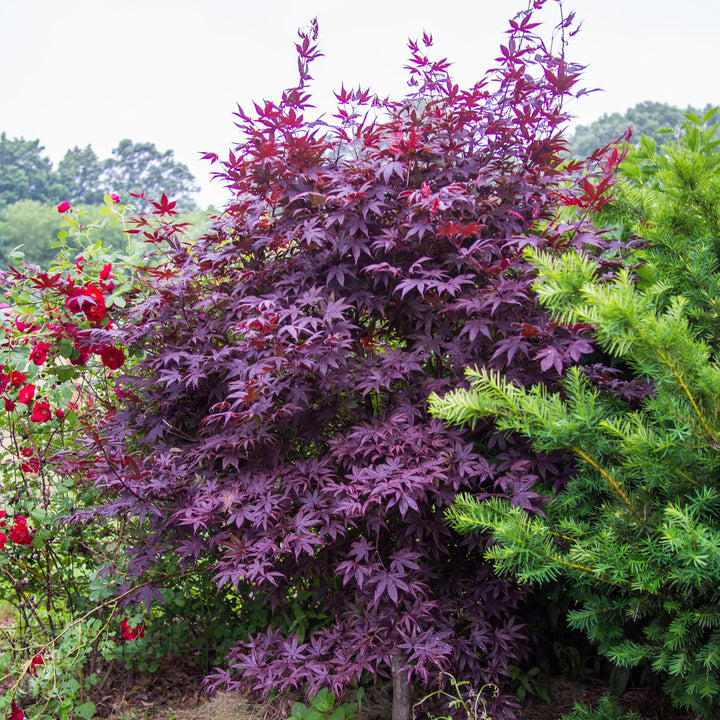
x: 606, y: 380
x: 278, y: 421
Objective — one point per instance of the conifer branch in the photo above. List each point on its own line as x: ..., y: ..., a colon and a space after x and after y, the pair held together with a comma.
x: 686, y: 390
x: 612, y: 482
x: 646, y: 582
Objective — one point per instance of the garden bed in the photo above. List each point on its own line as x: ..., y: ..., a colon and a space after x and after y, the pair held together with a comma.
x: 174, y: 693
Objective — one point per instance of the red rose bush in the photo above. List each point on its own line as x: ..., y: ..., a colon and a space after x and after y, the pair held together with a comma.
x: 57, y: 356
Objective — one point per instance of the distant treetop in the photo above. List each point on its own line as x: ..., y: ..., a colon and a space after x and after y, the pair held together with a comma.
x: 24, y: 173
x: 82, y: 177
x: 645, y: 119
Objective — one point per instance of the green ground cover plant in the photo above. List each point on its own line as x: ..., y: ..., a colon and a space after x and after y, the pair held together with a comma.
x: 606, y: 709
x: 323, y: 706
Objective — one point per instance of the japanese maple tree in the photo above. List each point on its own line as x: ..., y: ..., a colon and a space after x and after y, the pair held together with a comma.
x: 277, y: 420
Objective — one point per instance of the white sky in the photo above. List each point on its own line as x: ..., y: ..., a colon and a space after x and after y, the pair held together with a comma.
x: 94, y: 72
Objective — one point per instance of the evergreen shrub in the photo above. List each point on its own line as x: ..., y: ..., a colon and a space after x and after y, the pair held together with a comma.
x: 635, y: 534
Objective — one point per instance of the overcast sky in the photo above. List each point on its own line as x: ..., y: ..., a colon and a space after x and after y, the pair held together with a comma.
x: 82, y: 72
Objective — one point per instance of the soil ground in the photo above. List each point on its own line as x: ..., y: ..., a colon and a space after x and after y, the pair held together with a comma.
x: 174, y: 693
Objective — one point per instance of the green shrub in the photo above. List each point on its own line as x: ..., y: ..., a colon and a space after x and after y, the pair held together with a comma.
x: 322, y: 705
x: 636, y: 533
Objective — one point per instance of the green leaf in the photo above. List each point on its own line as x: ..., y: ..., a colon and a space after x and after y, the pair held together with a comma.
x: 619, y: 678
x: 16, y: 255
x: 65, y: 372
x: 324, y: 701
x: 65, y: 347
x: 633, y: 171
x: 542, y: 692
x: 38, y: 514
x: 648, y: 146
x: 70, y: 686
x: 708, y: 115
x: 86, y: 710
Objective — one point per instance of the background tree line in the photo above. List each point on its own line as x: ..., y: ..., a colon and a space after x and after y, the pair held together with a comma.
x: 82, y: 177
x: 31, y: 188
x: 645, y: 118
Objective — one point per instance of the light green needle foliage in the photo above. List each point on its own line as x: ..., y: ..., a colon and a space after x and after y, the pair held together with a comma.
x: 636, y: 534
x: 607, y: 709
x: 670, y: 195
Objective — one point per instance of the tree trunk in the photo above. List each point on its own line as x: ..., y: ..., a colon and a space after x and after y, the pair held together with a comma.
x: 401, y: 688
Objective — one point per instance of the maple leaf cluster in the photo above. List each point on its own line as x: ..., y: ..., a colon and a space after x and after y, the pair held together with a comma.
x: 279, y: 417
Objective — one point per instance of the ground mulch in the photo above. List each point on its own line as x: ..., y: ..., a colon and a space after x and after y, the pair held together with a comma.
x: 174, y: 692
x: 565, y: 691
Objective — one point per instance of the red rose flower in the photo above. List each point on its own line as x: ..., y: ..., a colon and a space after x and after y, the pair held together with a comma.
x: 81, y: 359
x: 131, y: 633
x: 63, y: 207
x: 87, y: 299
x: 35, y: 663
x: 23, y: 326
x: 15, y: 712
x: 115, y: 198
x: 38, y: 354
x: 3, y: 540
x: 9, y: 404
x: 59, y: 413
x: 105, y: 272
x: 26, y: 394
x: 111, y: 357
x: 31, y: 466
x: 4, y: 381
x: 19, y: 532
x: 17, y: 378
x: 41, y: 412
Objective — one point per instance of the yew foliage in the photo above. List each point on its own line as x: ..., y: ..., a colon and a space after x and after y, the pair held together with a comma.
x: 277, y: 420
